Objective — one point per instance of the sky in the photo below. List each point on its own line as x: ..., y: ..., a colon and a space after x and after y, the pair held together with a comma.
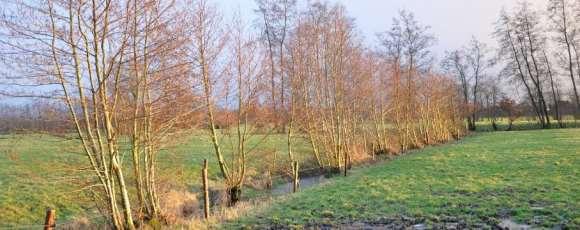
x: 453, y: 22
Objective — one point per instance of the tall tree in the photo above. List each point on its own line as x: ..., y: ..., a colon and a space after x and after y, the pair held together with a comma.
x: 563, y: 24
x: 469, y: 67
x: 208, y: 44
x: 521, y: 41
x: 407, y: 45
x: 554, y: 89
x: 276, y: 18
x: 110, y: 60
x: 227, y: 62
x: 491, y: 94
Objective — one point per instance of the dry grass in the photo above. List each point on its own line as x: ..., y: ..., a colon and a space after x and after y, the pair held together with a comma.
x: 179, y: 206
x: 224, y: 214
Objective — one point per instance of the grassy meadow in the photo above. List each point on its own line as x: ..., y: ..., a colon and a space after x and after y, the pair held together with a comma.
x: 528, y: 177
x: 523, y: 124
x: 39, y: 171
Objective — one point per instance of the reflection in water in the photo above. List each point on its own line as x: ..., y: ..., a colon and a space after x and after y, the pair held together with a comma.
x: 512, y: 225
x: 304, y: 182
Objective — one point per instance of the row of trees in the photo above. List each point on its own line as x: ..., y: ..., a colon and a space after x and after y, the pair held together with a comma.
x: 308, y: 75
x: 538, y: 51
x: 37, y: 117
x: 116, y: 66
x: 144, y: 70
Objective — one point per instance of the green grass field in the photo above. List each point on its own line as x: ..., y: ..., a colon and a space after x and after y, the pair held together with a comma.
x: 528, y: 177
x: 35, y: 173
x: 39, y: 171
x: 523, y: 124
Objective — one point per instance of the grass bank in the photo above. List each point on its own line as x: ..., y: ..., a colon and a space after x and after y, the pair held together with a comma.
x: 529, y: 177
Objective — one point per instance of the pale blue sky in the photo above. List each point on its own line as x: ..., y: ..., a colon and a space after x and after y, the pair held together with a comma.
x: 454, y: 22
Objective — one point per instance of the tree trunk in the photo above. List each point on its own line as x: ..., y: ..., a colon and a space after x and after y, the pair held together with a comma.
x: 234, y: 195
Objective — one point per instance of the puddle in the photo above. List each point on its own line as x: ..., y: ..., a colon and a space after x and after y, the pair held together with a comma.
x: 304, y: 182
x: 419, y: 227
x: 512, y: 225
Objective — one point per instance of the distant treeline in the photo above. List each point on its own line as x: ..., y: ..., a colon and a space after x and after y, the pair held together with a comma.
x: 34, y: 117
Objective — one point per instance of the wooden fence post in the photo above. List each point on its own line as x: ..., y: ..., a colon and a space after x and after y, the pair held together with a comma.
x: 269, y: 182
x: 205, y: 190
x: 49, y: 222
x: 295, y: 168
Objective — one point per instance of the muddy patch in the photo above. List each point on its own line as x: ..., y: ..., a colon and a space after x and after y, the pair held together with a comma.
x: 510, y: 224
x: 400, y: 222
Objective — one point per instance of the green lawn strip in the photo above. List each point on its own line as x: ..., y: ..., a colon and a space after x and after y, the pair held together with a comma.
x: 529, y: 176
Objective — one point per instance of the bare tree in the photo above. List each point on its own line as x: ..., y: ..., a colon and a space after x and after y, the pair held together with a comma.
x: 563, y: 23
x: 208, y: 43
x: 521, y: 42
x: 554, y: 89
x: 157, y: 64
x: 245, y: 66
x: 407, y: 46
x: 276, y: 16
x: 490, y: 96
x: 455, y: 64
x: 111, y: 62
x: 211, y: 40
x: 469, y: 66
x: 80, y: 44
